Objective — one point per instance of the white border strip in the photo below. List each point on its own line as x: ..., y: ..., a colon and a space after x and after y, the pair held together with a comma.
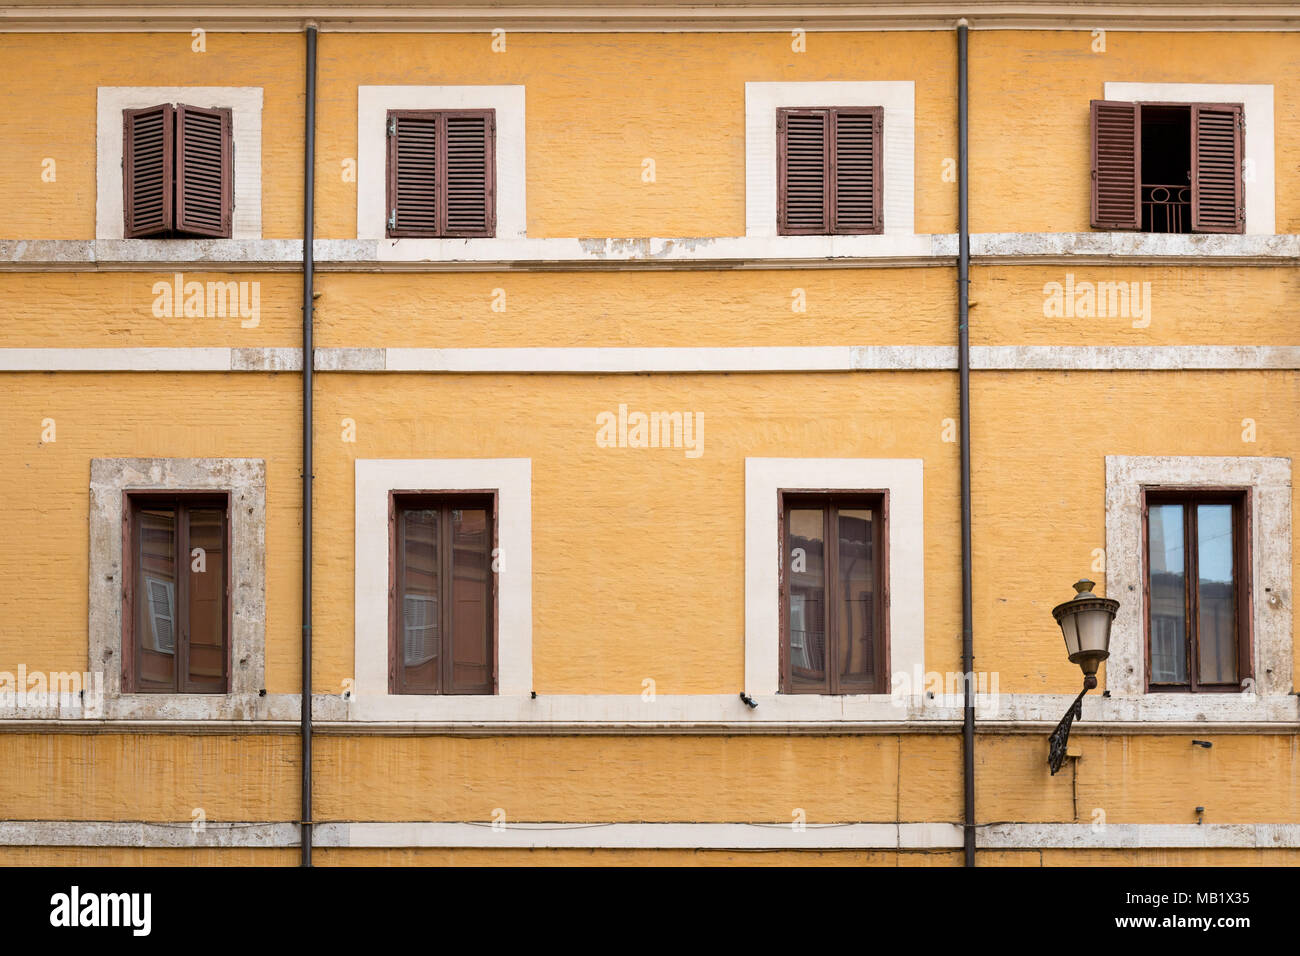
x: 704, y: 360
x: 764, y: 477
x: 762, y: 100
x: 373, y: 104
x: 657, y: 836
x: 512, y: 480
x: 245, y: 105
x: 1257, y: 158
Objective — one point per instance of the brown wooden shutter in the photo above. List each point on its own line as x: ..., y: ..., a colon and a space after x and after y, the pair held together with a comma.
x: 412, y: 172
x: 1116, y: 165
x: 204, y: 173
x: 441, y: 173
x: 147, y: 171
x: 468, y: 205
x: 803, y: 166
x: 856, y: 162
x: 1218, y: 204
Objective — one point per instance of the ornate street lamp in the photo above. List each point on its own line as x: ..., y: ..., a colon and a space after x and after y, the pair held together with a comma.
x: 1085, y: 624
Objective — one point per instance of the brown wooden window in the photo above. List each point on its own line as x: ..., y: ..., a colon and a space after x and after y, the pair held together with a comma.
x: 1197, y: 590
x: 829, y: 171
x: 1168, y: 167
x: 442, y: 594
x: 441, y: 173
x: 834, y: 631
x: 176, y: 574
x: 177, y: 171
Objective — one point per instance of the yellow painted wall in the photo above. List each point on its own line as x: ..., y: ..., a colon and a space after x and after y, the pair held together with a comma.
x: 134, y: 415
x: 1030, y: 142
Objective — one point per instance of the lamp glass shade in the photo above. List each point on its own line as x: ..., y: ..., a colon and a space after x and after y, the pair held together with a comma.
x: 1093, y: 628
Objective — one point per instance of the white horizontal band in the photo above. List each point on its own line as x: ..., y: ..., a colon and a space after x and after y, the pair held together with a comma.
x: 656, y: 836
x: 602, y: 361
x: 371, y: 255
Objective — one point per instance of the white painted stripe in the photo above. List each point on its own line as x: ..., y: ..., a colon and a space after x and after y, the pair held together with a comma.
x: 656, y: 836
x: 116, y: 360
x: 726, y: 252
x: 704, y: 360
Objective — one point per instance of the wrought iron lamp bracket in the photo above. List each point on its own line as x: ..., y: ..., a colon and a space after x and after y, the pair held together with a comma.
x: 1060, y: 739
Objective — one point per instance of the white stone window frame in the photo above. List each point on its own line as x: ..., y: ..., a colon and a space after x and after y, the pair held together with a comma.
x: 244, y: 480
x: 376, y: 479
x: 765, y: 479
x: 1268, y: 481
x: 373, y: 104
x: 1257, y: 151
x: 762, y: 100
x: 245, y: 105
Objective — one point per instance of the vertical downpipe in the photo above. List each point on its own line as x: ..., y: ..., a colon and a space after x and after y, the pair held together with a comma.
x: 308, y: 268
x: 963, y: 353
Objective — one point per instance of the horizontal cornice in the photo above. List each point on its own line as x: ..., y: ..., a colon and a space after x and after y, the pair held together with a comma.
x: 643, y: 15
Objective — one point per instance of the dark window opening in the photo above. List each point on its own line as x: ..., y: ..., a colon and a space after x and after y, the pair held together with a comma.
x: 834, y: 612
x: 1197, y: 566
x: 176, y: 619
x: 442, y: 606
x: 1166, y: 168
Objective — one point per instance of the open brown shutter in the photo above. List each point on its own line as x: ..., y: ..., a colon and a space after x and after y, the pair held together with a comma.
x: 147, y: 171
x: 412, y: 172
x: 803, y: 165
x: 204, y: 173
x: 468, y: 204
x: 1218, y: 204
x: 1116, y: 165
x: 856, y: 159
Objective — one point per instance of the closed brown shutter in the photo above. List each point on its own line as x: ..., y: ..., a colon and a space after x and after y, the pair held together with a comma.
x: 856, y: 163
x: 441, y: 173
x: 1218, y: 204
x: 412, y: 173
x: 470, y: 208
x: 147, y: 171
x: 829, y: 171
x: 1116, y: 165
x: 803, y: 167
x: 204, y: 174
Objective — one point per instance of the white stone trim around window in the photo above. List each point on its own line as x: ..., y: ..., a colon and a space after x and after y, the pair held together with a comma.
x: 1257, y: 159
x: 244, y: 479
x: 511, y: 479
x: 373, y: 104
x: 762, y: 100
x: 1268, y: 481
x: 245, y: 105
x: 764, y: 478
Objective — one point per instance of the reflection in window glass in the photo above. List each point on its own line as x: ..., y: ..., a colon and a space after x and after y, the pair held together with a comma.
x: 1216, y: 594
x: 1168, y: 594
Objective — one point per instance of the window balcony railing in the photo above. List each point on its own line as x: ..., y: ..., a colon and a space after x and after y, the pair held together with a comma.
x: 1166, y: 208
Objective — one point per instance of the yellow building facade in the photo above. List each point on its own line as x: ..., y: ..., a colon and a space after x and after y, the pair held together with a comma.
x: 638, y: 266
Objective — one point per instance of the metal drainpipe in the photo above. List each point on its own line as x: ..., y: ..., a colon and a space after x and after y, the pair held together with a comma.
x: 963, y: 353
x: 308, y: 268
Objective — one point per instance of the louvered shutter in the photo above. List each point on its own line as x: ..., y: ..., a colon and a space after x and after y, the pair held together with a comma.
x: 468, y: 208
x: 162, y: 615
x: 204, y: 174
x: 856, y: 181
x: 147, y: 171
x: 803, y: 166
x: 1218, y: 204
x: 413, y: 172
x: 1116, y: 165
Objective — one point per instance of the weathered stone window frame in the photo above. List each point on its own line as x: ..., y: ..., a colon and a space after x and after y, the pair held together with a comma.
x: 244, y: 480
x: 1268, y: 481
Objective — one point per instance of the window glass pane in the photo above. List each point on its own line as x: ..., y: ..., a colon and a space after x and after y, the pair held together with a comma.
x: 857, y: 600
x: 155, y: 599
x: 1168, y: 594
x: 207, y: 595
x: 471, y: 587
x: 418, y: 599
x: 1217, y: 611
x: 806, y: 626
